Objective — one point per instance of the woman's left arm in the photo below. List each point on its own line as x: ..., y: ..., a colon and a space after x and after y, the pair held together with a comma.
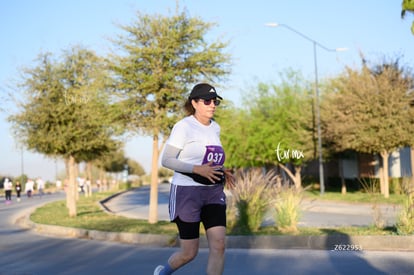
x: 230, y: 180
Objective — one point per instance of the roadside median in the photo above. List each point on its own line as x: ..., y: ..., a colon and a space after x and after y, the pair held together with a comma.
x: 337, y: 242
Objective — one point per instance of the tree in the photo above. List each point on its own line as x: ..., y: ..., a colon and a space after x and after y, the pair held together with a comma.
x: 114, y: 162
x: 65, y: 112
x: 276, y: 128
x: 369, y: 112
x: 161, y: 57
x: 408, y: 6
x: 233, y: 122
x: 135, y: 168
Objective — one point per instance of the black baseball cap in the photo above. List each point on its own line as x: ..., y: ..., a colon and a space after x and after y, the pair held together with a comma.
x: 204, y: 91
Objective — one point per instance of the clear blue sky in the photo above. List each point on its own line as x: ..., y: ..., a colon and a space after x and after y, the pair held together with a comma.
x: 260, y: 53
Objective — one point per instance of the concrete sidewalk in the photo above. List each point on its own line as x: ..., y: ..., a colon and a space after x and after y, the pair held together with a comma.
x: 135, y: 203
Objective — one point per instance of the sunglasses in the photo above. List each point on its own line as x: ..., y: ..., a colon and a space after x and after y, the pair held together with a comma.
x: 208, y: 101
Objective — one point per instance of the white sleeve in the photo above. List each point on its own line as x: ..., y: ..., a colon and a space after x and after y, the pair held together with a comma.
x: 170, y: 160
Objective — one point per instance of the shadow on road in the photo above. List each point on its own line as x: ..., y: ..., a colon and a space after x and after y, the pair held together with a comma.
x: 341, y: 249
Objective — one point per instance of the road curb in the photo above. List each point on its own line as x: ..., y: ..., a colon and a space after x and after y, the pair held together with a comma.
x: 338, y: 242
x: 326, y: 242
x: 71, y: 232
x: 102, y: 202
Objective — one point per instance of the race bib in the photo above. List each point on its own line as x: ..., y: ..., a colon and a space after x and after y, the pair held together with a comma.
x: 214, y: 153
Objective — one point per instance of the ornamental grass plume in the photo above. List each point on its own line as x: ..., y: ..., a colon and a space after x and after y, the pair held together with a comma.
x: 251, y: 198
x: 371, y: 187
x: 286, y: 204
x: 405, y: 222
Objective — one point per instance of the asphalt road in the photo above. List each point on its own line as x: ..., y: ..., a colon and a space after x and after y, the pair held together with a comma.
x: 23, y: 252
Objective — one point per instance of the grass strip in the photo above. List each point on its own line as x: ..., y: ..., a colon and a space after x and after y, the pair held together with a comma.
x: 92, y: 217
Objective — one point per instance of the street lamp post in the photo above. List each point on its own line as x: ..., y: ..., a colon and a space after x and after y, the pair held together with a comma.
x: 316, y: 88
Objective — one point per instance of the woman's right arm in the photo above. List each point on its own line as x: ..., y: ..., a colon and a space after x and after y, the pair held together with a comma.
x: 170, y: 160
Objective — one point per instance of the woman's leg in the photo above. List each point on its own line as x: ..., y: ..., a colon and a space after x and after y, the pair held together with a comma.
x: 216, y: 237
x: 188, y: 251
x: 214, y: 221
x: 189, y: 242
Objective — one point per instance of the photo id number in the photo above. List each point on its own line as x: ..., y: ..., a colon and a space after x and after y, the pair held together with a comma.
x: 347, y: 247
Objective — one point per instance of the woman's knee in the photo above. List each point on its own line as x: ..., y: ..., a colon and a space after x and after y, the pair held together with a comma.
x: 217, y: 239
x: 218, y: 245
x: 189, y: 249
x: 190, y: 256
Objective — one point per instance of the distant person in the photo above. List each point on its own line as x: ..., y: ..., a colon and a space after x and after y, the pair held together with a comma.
x: 8, y: 186
x: 59, y: 184
x: 98, y: 185
x: 40, y: 185
x: 18, y: 189
x: 29, y: 186
x: 81, y: 184
x: 195, y: 153
x: 66, y: 185
x: 88, y: 185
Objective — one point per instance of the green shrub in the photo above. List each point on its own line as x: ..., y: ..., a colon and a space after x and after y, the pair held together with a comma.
x: 125, y: 185
x: 395, y: 185
x: 231, y: 212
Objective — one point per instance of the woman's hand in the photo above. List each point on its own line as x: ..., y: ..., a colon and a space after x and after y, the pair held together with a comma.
x: 230, y: 180
x: 209, y: 171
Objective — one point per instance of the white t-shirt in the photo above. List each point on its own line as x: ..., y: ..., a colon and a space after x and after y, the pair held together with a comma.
x: 8, y: 185
x: 199, y: 144
x: 29, y: 185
